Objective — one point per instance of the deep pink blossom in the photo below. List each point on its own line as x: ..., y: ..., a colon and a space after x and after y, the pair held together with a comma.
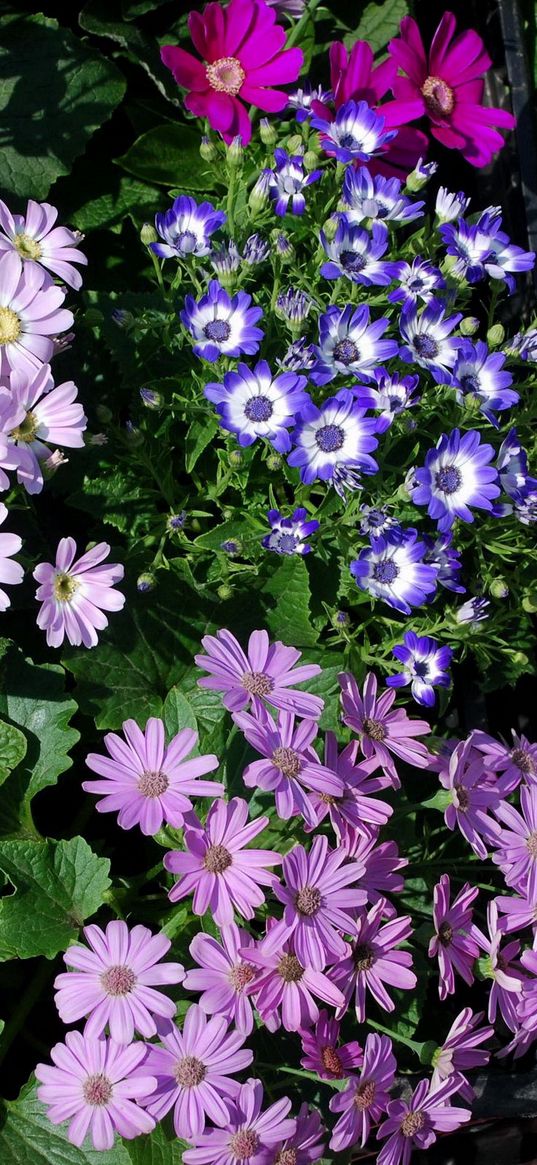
x: 366, y: 1096
x: 265, y: 673
x: 382, y: 731
x: 74, y: 594
x: 223, y: 974
x: 453, y: 943
x: 31, y: 315
x: 354, y: 809
x: 251, y: 1134
x: 461, y: 1051
x: 286, y: 987
x: 35, y: 239
x: 324, y: 1054
x: 34, y: 414
x: 374, y: 961
x: 414, y: 1124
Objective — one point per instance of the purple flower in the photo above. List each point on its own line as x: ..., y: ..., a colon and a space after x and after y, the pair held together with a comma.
x: 194, y: 1069
x: 418, y: 281
x: 148, y: 781
x: 374, y: 961
x: 114, y: 982
x: 288, y: 182
x: 504, y: 257
x: 287, y: 986
x: 34, y: 412
x: 323, y: 1053
x: 512, y: 466
x: 294, y: 306
x: 453, y: 943
x: 289, y: 535
x: 74, y: 594
x: 393, y: 569
x: 427, y: 339
x: 186, y: 228
x: 356, y: 254
x: 10, y: 572
x: 217, y: 869
x: 290, y: 767
x: 320, y: 903
x: 413, y: 1124
x: 460, y: 1051
x: 473, y: 612
x: 253, y: 403
x: 36, y: 240
x: 470, y: 245
x: 382, y: 863
x: 349, y: 344
x: 300, y: 99
x: 506, y: 973
x: 95, y: 1085
x: 306, y: 1145
x: 376, y: 521
x: 256, y: 250
x: 368, y: 196
x: 366, y: 1096
x: 225, y: 260
x: 516, y: 764
x: 471, y: 799
x: 457, y: 474
x: 220, y: 325
x: 356, y: 134
x: 266, y: 672
x: 223, y: 974
x: 516, y: 843
x: 440, y: 553
x: 393, y: 394
x: 31, y: 314
x: 519, y: 911
x: 300, y: 357
x: 334, y: 434
x: 251, y: 1136
x: 449, y: 206
x: 382, y: 731
x: 353, y: 809
x: 425, y: 664
x: 478, y: 376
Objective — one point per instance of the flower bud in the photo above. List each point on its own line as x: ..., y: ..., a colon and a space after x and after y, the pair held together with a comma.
x: 274, y: 462
x: 235, y: 152
x: 225, y: 591
x: 295, y: 144
x: 122, y: 318
x: 104, y: 414
x: 469, y: 326
x: 133, y: 435
x: 53, y: 463
x: 231, y: 546
x: 176, y: 522
x: 496, y: 335
x: 330, y: 227
x: 341, y: 619
x: 420, y: 176
x: 267, y: 133
x: 283, y: 245
x: 208, y: 149
x: 259, y: 194
x: 145, y: 582
x: 311, y: 160
x: 150, y: 398
x: 148, y: 234
x: 498, y: 588
x: 235, y: 457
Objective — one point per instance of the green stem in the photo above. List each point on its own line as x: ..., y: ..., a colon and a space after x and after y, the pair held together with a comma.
x: 28, y: 1001
x: 230, y: 200
x: 158, y: 272
x: 412, y: 1044
x: 301, y: 24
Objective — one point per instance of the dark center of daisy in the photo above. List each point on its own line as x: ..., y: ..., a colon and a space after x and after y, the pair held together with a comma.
x: 352, y: 261
x: 438, y: 96
x: 328, y: 799
x: 226, y: 75
x: 364, y: 957
x: 445, y: 934
x: 365, y: 1095
x: 385, y: 571
x: 287, y: 761
x: 373, y: 728
x: 425, y: 346
x: 287, y: 543
x: 118, y: 980
x: 346, y: 351
x: 27, y: 429
x: 449, y: 479
x: 470, y: 383
x: 349, y: 141
x: 244, y: 1144
x: 308, y: 900
x: 217, y: 859
x: 258, y: 408
x: 240, y: 976
x: 189, y: 1072
x: 290, y: 969
x: 330, y: 438
x: 257, y: 683
x: 463, y: 798
x: 531, y: 844
x: 416, y: 283
x: 153, y: 784
x: 421, y: 669
x: 331, y: 1061
x: 524, y: 761
x: 97, y: 1089
x: 64, y: 586
x: 413, y: 1122
x: 218, y: 330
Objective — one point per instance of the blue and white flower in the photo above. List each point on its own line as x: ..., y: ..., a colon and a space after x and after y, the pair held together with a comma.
x: 300, y: 356
x: 524, y: 345
x: 356, y: 134
x: 374, y: 197
x: 392, y: 569
x: 392, y: 396
x: 448, y: 206
x: 222, y: 325
x: 474, y: 611
x: 506, y: 259
x: 290, y: 535
x: 418, y: 280
x: 457, y: 474
x: 512, y: 466
x: 186, y: 228
x: 225, y: 260
x: 377, y: 522
x: 525, y: 507
x: 356, y: 254
x: 288, y: 182
x: 425, y: 667
x: 256, y: 249
x: 334, y: 434
x: 349, y: 344
x: 421, y: 175
x: 254, y: 404
x: 427, y: 339
x: 470, y: 245
x: 301, y: 100
x: 479, y: 375
x: 440, y: 552
x: 293, y: 305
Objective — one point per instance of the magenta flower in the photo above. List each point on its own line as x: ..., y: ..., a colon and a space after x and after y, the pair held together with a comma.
x: 243, y: 56
x: 506, y: 973
x: 460, y: 1051
x: 284, y: 983
x: 31, y: 314
x: 36, y: 240
x: 374, y: 961
x: 250, y: 1136
x: 471, y: 797
x: 223, y: 974
x: 366, y: 1096
x: 34, y: 412
x: 306, y: 1145
x: 217, y: 869
x: 290, y: 766
x: 516, y: 845
x: 95, y: 1085
x: 354, y: 809
x: 324, y: 1054
x: 453, y: 943
x: 265, y: 673
x: 114, y: 982
x: 75, y: 594
x: 382, y: 732
x: 414, y: 1124
x: 194, y: 1069
x: 10, y: 572
x: 382, y: 864
x: 148, y: 781
x: 320, y: 903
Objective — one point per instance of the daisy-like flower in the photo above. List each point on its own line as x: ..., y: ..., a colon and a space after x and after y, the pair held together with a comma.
x: 460, y: 1051
x: 356, y: 134
x: 354, y: 809
x: 393, y: 568
x: 356, y: 254
x: 11, y: 572
x: 413, y: 1124
x: 334, y: 434
x: 470, y: 245
x: 374, y: 960
x: 288, y: 182
x: 256, y: 250
x: 478, y: 375
x: 382, y: 864
x: 289, y: 535
x: 376, y: 521
x: 418, y: 280
x: 391, y: 397
x: 448, y: 83
x: 223, y: 974
x: 503, y: 968
x: 116, y: 982
x: 194, y: 1069
x: 243, y: 55
x: 471, y: 798
x: 94, y: 1084
x: 222, y: 325
x: 286, y: 987
x: 426, y: 667
x: 453, y: 943
x: 290, y: 766
x: 36, y: 240
x: 253, y: 403
x: 349, y: 344
x: 186, y: 228
x: 251, y: 1135
x: 448, y: 206
x: 366, y: 1096
x: 512, y: 466
x: 265, y: 672
x: 294, y: 307
x: 440, y: 553
x: 34, y: 412
x: 428, y: 340
x: 75, y: 593
x: 300, y: 100
x: 504, y: 256
x: 217, y: 869
x: 306, y: 1146
x: 457, y: 474
x: 382, y: 731
x: 369, y: 197
x: 324, y: 1054
x: 31, y: 313
x: 516, y: 843
x: 516, y: 764
x: 148, y: 781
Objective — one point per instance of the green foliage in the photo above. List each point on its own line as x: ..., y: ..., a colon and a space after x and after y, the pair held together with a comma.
x: 28, y: 1138
x: 169, y: 155
x: 378, y: 23
x: 12, y: 749
x: 33, y: 697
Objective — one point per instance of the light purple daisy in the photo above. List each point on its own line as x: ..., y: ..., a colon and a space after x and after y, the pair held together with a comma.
x: 453, y: 943
x: 116, y: 982
x: 251, y: 1135
x: 367, y: 196
x: 286, y: 988
x: 382, y: 864
x: 418, y: 281
x: 357, y: 254
x: 393, y: 568
x: 33, y: 414
x: 94, y: 1084
x: 374, y: 961
x: 288, y: 182
x: 301, y: 98
x: 457, y: 474
x: 217, y: 869
x: 223, y: 974
x: 148, y: 781
x: 36, y: 240
x: 324, y: 1054
x: 503, y: 967
x: 393, y: 395
x: 516, y: 843
x: 350, y: 344
x: 414, y: 1124
x: 254, y: 404
x: 266, y: 672
x: 75, y: 593
x: 479, y: 375
x: 31, y: 314
x: 474, y: 611
x: 425, y: 667
x: 519, y: 911
x: 461, y: 1052
x: 356, y: 134
x: 353, y: 809
x: 471, y: 799
x: 222, y: 325
x: 194, y: 1070
x: 366, y: 1096
x: 186, y: 228
x: 11, y: 572
x: 516, y: 764
x: 440, y: 553
x: 334, y: 434
x: 382, y: 731
x: 427, y: 339
x: 306, y: 1146
x: 289, y: 535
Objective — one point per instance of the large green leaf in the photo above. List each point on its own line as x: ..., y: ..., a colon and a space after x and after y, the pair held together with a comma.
x: 289, y: 618
x: 55, y: 92
x: 107, y: 208
x: 378, y: 23
x: 28, y: 1138
x: 12, y: 749
x: 57, y: 885
x: 158, y: 1149
x: 178, y: 713
x: 144, y: 51
x: 169, y: 155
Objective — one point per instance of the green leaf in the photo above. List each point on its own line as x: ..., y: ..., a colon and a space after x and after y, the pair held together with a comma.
x: 55, y: 93
x: 199, y: 436
x: 57, y: 885
x: 105, y: 209
x: 177, y: 713
x: 289, y: 619
x: 33, y: 697
x: 143, y: 50
x: 12, y: 749
x: 169, y: 155
x: 378, y: 23
x: 156, y: 1149
x: 130, y: 9
x: 28, y: 1138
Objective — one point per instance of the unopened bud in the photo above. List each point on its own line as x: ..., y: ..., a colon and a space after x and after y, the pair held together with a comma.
x: 330, y: 227
x: 235, y: 457
x: 295, y: 144
x: 235, y: 152
x: 469, y: 326
x: 311, y: 160
x: 267, y: 133
x: 133, y: 435
x: 150, y: 398
x: 498, y: 588
x: 148, y: 234
x: 274, y: 462
x: 231, y: 546
x: 146, y: 582
x: 259, y: 194
x: 496, y: 335
x: 224, y: 592
x: 341, y: 619
x: 176, y: 522
x: 208, y: 149
x: 420, y: 176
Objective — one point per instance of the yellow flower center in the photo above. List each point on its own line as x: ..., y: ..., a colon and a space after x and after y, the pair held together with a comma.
x: 27, y: 429
x: 10, y: 326
x: 439, y: 97
x: 64, y: 587
x: 226, y: 75
x: 27, y: 247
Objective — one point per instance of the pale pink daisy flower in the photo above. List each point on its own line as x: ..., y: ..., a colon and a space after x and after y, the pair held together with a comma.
x: 503, y: 967
x: 306, y: 1145
x: 33, y: 412
x: 286, y: 987
x: 266, y: 672
x: 413, y: 1124
x: 461, y: 1051
x: 37, y: 241
x: 223, y: 975
x: 354, y: 809
x: 250, y: 1136
x: 31, y: 314
x: 75, y: 594
x: 10, y: 572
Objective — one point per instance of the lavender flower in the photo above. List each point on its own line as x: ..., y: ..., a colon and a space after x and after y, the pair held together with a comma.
x: 186, y: 229
x: 457, y: 474
x: 453, y: 943
x: 426, y: 666
x: 349, y: 344
x: 11, y: 573
x: 324, y: 1054
x: 36, y: 240
x: 471, y: 799
x: 374, y: 961
x: 440, y: 553
x: 478, y: 376
x: 220, y: 325
x: 366, y: 196
x: 427, y: 339
x: 223, y: 975
x: 460, y: 1051
x: 31, y: 313
x: 413, y: 1124
x: 516, y: 843
x: 265, y: 673
x: 255, y: 404
x: 33, y: 412
x: 251, y: 1136
x: 354, y: 810
x: 286, y: 987
x: 366, y: 1096
x: 393, y: 568
x: 356, y: 134
x: 74, y: 594
x: 392, y: 396
x: 288, y: 182
x: 382, y: 731
x: 502, y: 967
x: 306, y: 1145
x: 473, y: 612
x: 336, y: 433
x: 289, y: 535
x: 418, y: 281
x: 448, y: 206
x: 356, y: 254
